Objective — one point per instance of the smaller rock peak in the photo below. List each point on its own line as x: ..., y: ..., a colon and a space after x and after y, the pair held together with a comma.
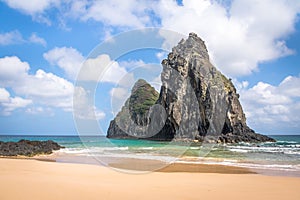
x: 140, y: 83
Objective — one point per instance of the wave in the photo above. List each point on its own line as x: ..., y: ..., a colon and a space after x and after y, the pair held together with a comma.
x: 236, y: 163
x: 91, y: 150
x: 280, y: 147
x: 286, y: 150
x: 146, y: 148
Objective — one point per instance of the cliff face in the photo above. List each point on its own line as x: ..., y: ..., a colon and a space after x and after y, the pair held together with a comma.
x: 196, y: 102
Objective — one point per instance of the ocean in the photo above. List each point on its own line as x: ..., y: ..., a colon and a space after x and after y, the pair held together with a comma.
x: 281, y: 157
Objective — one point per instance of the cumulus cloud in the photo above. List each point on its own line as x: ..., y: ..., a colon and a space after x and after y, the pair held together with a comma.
x: 12, y: 70
x: 84, y: 108
x: 31, y: 6
x: 161, y: 55
x: 15, y: 37
x: 43, y: 88
x: 47, y: 89
x: 38, y: 110
x: 8, y: 104
x: 101, y: 69
x: 4, y: 95
x: 42, y: 91
x: 156, y: 83
x: 118, y: 97
x: 12, y: 37
x: 120, y: 93
x: 67, y: 58
x: 34, y: 38
x: 272, y: 106
x: 132, y: 13
x: 240, y: 36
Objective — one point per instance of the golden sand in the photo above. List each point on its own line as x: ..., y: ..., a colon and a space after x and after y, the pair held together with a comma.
x: 32, y: 179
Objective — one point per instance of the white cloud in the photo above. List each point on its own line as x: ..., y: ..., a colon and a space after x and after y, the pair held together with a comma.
x: 15, y: 37
x: 83, y: 106
x: 8, y: 104
x: 156, y: 83
x: 101, y: 69
x: 118, y: 97
x: 38, y: 110
x: 31, y: 6
x: 130, y: 13
x: 239, y: 37
x: 12, y: 37
x: 162, y: 55
x: 47, y: 89
x: 34, y: 38
x: 4, y: 95
x: 41, y: 88
x: 78, y: 8
x: 291, y: 86
x: 274, y: 107
x: 119, y: 93
x: 12, y: 70
x: 68, y: 59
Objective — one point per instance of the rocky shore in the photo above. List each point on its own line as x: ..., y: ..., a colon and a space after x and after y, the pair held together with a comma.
x: 28, y: 148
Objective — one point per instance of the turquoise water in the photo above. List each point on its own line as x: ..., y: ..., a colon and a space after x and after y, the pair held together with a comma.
x: 282, y: 155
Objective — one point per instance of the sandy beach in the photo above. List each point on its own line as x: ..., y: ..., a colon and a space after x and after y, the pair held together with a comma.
x: 32, y: 179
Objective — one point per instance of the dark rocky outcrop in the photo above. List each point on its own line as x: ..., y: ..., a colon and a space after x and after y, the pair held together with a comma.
x: 28, y: 148
x: 196, y: 102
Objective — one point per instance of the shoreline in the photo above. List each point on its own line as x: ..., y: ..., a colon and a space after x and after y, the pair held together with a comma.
x: 145, y: 165
x: 137, y: 166
x: 183, y: 164
x: 284, y: 159
x: 32, y: 179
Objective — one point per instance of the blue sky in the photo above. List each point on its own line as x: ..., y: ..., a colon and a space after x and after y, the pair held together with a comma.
x: 43, y: 44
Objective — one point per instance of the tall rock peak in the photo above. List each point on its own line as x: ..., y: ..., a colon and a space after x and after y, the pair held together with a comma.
x: 199, y: 102
x: 192, y: 45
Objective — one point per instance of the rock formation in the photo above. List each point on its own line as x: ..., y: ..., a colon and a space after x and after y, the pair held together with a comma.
x: 28, y: 148
x: 196, y: 102
x: 137, y: 117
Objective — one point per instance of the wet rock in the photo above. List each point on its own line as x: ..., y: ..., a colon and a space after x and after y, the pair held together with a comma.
x: 28, y: 148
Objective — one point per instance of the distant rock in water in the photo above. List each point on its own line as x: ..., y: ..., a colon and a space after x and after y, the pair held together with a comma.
x: 196, y: 102
x: 28, y: 148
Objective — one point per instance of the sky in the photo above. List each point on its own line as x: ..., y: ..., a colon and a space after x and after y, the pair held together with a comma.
x: 49, y: 50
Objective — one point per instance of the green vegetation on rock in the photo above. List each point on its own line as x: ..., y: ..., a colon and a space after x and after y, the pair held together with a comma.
x: 143, y: 96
